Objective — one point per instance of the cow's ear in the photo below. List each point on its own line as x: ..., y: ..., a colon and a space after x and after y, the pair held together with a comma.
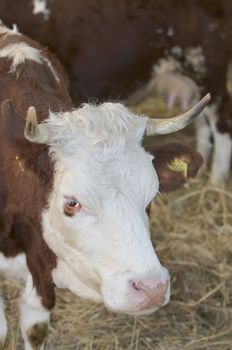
x: 175, y: 164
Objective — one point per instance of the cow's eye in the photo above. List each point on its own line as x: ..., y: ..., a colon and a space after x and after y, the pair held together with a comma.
x: 71, y: 206
x: 72, y: 203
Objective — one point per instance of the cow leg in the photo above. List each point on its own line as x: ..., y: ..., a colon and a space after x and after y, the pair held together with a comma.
x: 3, y: 325
x: 34, y: 326
x: 204, y: 138
x: 34, y: 318
x: 221, y: 158
x: 222, y: 150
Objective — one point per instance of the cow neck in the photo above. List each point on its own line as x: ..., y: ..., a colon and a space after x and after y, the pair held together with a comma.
x: 20, y: 216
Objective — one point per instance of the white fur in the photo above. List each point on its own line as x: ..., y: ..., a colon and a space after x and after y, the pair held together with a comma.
x: 177, y: 51
x: 52, y: 69
x: 19, y: 53
x: 195, y: 57
x: 222, y: 150
x: 94, y: 126
x: 222, y: 145
x: 3, y: 324
x: 222, y: 158
x: 6, y: 31
x: 203, y: 137
x: 99, y: 161
x: 166, y: 65
x: 14, y: 267
x: 169, y: 81
x: 30, y: 295
x: 170, y: 31
x: 28, y: 318
x: 68, y: 274
x: 32, y: 311
x: 40, y: 6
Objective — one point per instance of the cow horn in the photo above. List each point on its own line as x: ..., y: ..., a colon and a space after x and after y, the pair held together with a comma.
x: 167, y: 126
x: 34, y: 132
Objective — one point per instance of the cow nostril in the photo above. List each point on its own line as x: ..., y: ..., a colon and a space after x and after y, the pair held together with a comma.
x: 135, y: 286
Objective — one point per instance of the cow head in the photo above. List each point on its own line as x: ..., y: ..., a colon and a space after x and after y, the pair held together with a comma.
x: 96, y: 220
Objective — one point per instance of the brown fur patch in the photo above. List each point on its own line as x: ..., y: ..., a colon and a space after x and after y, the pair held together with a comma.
x: 22, y: 202
x: 213, y: 7
x: 23, y: 194
x: 37, y: 335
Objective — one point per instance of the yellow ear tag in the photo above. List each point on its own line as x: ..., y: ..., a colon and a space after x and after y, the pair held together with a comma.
x: 179, y: 166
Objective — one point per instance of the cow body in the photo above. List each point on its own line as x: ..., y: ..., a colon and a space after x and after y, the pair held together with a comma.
x: 27, y: 77
x: 73, y: 207
x: 110, y: 50
x: 99, y: 42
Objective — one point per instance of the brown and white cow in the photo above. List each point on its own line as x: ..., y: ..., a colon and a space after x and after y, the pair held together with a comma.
x: 75, y: 190
x: 109, y: 50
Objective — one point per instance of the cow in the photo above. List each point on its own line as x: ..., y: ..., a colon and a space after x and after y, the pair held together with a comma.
x: 75, y: 190
x: 110, y: 50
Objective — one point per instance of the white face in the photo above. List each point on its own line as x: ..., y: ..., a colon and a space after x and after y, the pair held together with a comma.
x: 97, y: 224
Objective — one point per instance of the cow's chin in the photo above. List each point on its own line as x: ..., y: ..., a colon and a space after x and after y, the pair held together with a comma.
x: 136, y: 312
x: 128, y: 307
x: 124, y: 305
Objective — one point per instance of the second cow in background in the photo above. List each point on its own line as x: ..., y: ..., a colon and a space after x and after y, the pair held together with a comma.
x: 109, y: 49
